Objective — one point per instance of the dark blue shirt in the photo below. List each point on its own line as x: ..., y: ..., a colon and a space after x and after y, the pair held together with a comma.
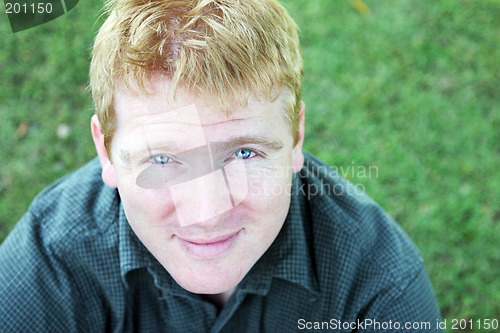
x: 339, y: 264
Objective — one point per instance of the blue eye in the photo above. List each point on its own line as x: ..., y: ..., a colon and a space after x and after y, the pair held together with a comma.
x: 244, y: 154
x: 160, y: 159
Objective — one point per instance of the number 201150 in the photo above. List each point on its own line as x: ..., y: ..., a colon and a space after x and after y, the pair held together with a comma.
x: 463, y: 324
x: 16, y: 8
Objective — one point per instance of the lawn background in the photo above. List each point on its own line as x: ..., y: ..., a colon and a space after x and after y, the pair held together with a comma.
x: 408, y: 87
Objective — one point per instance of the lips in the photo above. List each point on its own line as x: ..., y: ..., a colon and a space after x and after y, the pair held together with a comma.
x: 209, y: 248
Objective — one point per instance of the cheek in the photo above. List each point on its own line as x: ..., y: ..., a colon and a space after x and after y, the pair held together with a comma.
x: 269, y: 194
x: 270, y: 183
x: 153, y: 208
x: 268, y: 203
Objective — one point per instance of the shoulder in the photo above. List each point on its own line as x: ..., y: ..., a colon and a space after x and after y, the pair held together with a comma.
x: 352, y: 235
x: 66, y: 214
x: 363, y: 260
x: 77, y: 206
x: 44, y: 260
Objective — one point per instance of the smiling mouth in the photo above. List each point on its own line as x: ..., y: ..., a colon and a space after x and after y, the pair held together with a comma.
x: 209, y: 248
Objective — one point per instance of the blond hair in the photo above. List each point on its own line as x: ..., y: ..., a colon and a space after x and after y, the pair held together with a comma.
x: 228, y: 50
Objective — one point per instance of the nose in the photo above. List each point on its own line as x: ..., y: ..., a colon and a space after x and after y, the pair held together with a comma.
x: 201, y: 198
x: 212, y: 194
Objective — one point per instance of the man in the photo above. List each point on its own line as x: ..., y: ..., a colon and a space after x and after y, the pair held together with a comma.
x: 202, y: 213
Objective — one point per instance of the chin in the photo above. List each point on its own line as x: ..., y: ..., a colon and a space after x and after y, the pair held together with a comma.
x: 210, y: 277
x: 210, y: 286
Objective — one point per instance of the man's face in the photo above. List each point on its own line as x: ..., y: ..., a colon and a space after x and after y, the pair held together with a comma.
x: 207, y: 193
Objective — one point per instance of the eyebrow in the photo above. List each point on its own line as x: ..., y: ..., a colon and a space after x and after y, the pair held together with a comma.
x: 239, y: 141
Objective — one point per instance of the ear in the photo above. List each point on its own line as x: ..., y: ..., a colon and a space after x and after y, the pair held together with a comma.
x: 298, y: 156
x: 108, y: 170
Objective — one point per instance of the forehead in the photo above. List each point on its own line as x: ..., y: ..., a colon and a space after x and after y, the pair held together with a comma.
x: 186, y: 113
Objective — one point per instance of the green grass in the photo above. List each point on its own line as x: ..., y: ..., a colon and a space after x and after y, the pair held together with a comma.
x: 410, y: 89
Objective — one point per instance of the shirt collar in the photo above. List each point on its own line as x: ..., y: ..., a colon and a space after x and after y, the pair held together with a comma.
x: 133, y: 254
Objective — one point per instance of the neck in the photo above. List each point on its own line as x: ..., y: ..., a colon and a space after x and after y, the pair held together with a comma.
x: 219, y: 300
